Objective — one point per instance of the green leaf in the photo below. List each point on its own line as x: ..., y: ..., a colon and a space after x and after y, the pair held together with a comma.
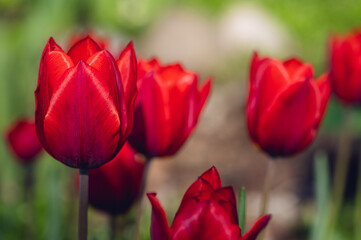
x: 242, y: 208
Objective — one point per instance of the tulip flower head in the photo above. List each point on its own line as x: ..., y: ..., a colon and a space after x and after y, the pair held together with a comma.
x: 115, y: 186
x: 345, y: 67
x: 167, y: 108
x: 23, y: 140
x: 84, y: 102
x: 285, y: 105
x: 208, y: 211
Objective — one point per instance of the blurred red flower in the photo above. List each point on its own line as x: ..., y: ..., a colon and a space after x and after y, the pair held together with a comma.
x: 115, y: 186
x: 167, y: 108
x: 285, y: 104
x: 84, y: 102
x: 23, y: 140
x: 208, y: 211
x: 345, y: 72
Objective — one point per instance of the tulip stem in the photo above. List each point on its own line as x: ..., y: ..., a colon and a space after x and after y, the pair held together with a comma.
x: 267, y: 186
x: 28, y: 198
x: 358, y: 203
x: 83, y: 204
x: 341, y: 168
x: 139, y: 213
x: 112, y: 226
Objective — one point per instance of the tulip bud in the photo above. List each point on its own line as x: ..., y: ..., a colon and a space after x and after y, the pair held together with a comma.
x: 345, y: 72
x: 167, y: 108
x: 285, y: 105
x: 23, y: 141
x: 84, y: 103
x: 208, y: 211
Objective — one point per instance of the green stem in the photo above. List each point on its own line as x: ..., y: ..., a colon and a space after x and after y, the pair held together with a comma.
x: 83, y: 204
x: 139, y: 213
x: 28, y: 199
x: 358, y: 203
x: 340, y: 175
x: 112, y: 227
x: 267, y: 186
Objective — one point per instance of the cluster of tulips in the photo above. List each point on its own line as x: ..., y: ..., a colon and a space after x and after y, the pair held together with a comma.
x: 109, y: 118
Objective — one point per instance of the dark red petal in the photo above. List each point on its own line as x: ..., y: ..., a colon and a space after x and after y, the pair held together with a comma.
x: 53, y: 64
x: 82, y: 124
x: 185, y: 224
x: 159, y: 229
x: 203, y: 93
x: 212, y: 176
x: 290, y: 118
x: 269, y: 81
x: 256, y: 229
x: 83, y: 49
x: 127, y: 65
x: 253, y: 87
x: 149, y: 137
x: 115, y: 186
x: 297, y: 70
x: 219, y: 220
x: 324, y: 88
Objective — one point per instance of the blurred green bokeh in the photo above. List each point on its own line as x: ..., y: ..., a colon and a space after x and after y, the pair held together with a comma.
x: 26, y: 25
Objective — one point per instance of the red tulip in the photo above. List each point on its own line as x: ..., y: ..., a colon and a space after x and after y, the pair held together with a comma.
x: 167, y: 108
x: 115, y: 186
x: 23, y: 140
x: 208, y: 211
x: 84, y: 103
x: 285, y: 105
x: 345, y: 74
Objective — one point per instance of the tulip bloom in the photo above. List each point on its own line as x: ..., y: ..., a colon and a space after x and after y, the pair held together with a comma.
x: 285, y: 105
x: 345, y: 73
x: 23, y: 140
x: 167, y: 108
x: 208, y: 211
x: 84, y: 102
x: 115, y: 186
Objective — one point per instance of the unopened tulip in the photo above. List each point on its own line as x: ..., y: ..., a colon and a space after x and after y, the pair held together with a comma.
x: 167, y: 108
x: 285, y: 105
x: 23, y: 140
x: 115, y: 186
x: 345, y: 72
x: 208, y: 211
x: 84, y: 102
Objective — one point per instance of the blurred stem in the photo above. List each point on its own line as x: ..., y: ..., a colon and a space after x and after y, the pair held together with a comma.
x: 358, y: 203
x: 29, y: 200
x: 267, y: 185
x: 139, y: 213
x: 340, y: 174
x: 70, y: 203
x: 266, y: 190
x: 83, y: 204
x: 112, y: 226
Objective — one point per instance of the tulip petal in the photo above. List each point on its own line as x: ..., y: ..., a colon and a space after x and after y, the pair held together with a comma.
x: 298, y: 70
x: 324, y: 88
x: 145, y: 67
x: 82, y: 122
x: 288, y: 121
x: 115, y: 186
x: 256, y: 228
x: 269, y: 80
x: 159, y: 229
x: 219, y: 219
x: 204, y: 93
x: 212, y: 176
x: 83, y: 49
x: 53, y: 64
x: 127, y: 65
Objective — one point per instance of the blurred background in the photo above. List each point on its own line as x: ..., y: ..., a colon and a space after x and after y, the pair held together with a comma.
x: 211, y: 37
